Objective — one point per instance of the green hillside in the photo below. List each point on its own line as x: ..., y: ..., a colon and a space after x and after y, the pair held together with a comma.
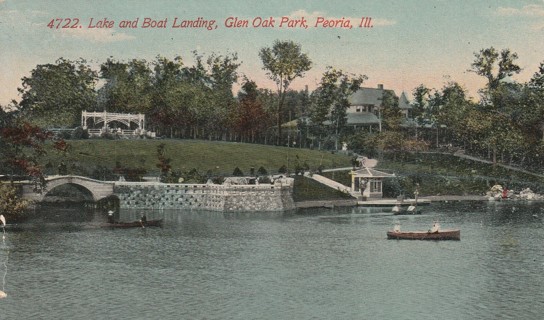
x: 85, y: 156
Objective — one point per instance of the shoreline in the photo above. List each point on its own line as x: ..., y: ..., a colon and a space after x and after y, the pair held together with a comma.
x: 383, y: 202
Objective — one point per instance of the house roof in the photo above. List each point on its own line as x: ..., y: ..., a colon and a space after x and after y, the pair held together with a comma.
x: 367, y: 96
x: 359, y: 118
x: 355, y: 118
x: 371, y: 173
x: 403, y: 102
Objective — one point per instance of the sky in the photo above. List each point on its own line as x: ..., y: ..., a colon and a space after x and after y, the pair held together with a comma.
x: 409, y: 42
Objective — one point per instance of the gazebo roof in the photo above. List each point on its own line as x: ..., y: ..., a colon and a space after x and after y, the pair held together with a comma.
x: 371, y: 173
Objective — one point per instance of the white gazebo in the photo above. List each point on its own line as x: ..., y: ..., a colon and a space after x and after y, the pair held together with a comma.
x: 104, y: 118
x: 367, y: 182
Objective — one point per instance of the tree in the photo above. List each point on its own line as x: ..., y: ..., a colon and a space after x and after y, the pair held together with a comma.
x: 537, y: 80
x: 495, y: 67
x: 128, y: 86
x: 164, y: 163
x: 330, y: 100
x: 284, y: 62
x: 450, y: 107
x: 222, y: 73
x: 11, y: 206
x: 250, y: 118
x: 420, y: 106
x: 55, y: 94
x: 391, y: 114
x: 172, y: 97
x: 22, y: 148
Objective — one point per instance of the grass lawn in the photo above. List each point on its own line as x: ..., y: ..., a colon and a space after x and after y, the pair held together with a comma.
x: 220, y: 157
x: 308, y: 189
x: 436, y: 174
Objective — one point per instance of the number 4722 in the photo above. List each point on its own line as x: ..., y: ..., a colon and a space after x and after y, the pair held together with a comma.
x: 63, y: 23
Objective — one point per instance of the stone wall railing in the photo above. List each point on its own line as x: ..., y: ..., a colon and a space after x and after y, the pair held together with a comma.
x: 226, y: 198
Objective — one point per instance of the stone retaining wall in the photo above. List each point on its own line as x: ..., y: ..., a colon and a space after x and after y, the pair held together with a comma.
x: 227, y: 198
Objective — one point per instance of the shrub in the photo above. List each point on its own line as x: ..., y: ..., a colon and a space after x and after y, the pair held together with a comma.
x: 237, y: 172
x: 262, y: 171
x: 80, y: 133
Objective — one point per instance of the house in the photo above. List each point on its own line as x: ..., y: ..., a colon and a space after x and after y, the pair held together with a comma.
x: 363, y: 113
x: 364, y: 109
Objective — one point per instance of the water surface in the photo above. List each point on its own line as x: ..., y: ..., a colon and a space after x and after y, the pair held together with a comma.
x: 314, y: 264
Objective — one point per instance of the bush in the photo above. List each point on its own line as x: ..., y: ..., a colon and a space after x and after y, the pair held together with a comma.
x: 237, y: 172
x: 262, y: 171
x: 80, y: 133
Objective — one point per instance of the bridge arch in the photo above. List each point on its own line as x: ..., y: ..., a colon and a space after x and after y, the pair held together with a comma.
x: 70, y: 191
x: 98, y: 189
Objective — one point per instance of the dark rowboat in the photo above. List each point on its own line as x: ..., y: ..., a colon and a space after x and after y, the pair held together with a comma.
x: 403, y: 212
x: 453, y: 234
x: 134, y: 224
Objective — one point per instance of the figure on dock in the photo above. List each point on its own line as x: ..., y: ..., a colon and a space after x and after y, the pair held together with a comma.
x: 111, y: 219
x: 435, y: 228
x: 504, y: 193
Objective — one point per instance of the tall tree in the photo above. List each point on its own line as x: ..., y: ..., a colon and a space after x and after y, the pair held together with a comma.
x: 23, y: 148
x: 495, y: 66
x: 420, y: 106
x: 55, y: 94
x: 284, y: 62
x: 170, y: 111
x: 249, y: 118
x: 223, y: 74
x: 538, y: 77
x: 128, y: 86
x: 330, y: 100
x: 391, y: 114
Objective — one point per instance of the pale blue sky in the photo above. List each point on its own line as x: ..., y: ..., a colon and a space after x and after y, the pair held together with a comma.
x: 411, y: 42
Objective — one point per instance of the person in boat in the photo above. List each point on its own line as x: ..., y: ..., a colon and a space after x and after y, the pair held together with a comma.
x: 435, y: 228
x: 111, y: 219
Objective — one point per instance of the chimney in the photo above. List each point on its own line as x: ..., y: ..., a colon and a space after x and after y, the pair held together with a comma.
x: 380, y: 86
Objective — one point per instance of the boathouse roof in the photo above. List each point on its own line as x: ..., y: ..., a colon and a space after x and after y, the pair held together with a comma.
x: 371, y: 173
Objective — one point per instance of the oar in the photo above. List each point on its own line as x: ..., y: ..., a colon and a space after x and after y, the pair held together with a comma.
x: 2, y: 293
x: 3, y: 220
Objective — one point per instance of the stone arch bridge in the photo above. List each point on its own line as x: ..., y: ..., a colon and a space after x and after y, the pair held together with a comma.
x: 98, y: 189
x: 150, y: 195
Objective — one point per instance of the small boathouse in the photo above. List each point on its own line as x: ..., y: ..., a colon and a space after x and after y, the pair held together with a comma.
x: 367, y: 182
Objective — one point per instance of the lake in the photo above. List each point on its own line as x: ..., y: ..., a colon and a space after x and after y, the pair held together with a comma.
x: 312, y: 264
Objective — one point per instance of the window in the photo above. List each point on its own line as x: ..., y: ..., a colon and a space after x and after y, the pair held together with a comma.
x: 375, y: 186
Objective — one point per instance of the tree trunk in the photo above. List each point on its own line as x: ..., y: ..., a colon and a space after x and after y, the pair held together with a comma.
x: 280, y: 109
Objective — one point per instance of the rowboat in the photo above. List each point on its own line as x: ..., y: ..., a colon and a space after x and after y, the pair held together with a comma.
x: 405, y: 212
x: 434, y: 234
x: 398, y: 209
x: 134, y: 224
x: 425, y: 235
